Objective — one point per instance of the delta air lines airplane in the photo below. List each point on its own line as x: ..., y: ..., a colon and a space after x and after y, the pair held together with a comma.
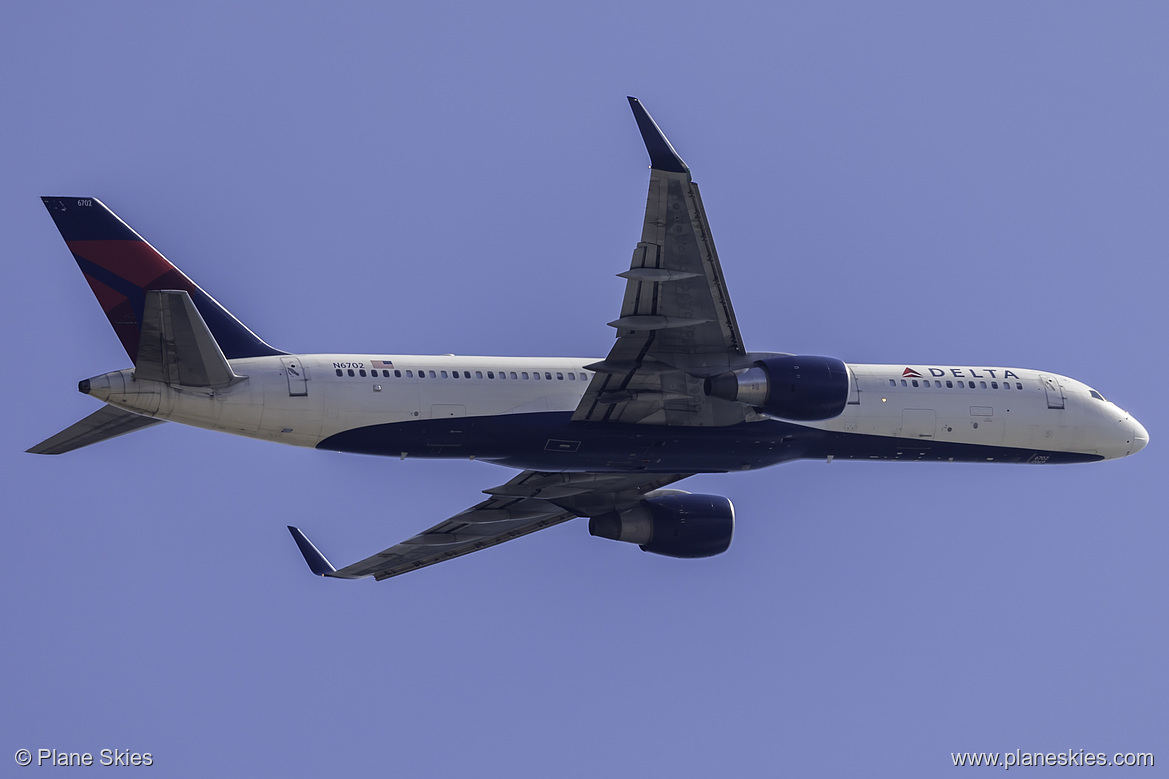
x: 678, y: 394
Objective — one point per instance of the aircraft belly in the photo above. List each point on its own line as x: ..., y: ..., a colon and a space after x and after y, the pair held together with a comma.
x: 551, y: 441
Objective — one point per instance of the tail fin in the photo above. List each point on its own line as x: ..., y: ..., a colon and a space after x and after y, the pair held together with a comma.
x: 121, y: 268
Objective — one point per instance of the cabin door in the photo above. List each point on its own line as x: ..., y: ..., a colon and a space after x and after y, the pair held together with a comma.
x: 296, y: 376
x: 1054, y: 391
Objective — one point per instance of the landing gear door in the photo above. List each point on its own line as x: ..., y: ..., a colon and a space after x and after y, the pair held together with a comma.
x: 297, y: 377
x: 1054, y: 391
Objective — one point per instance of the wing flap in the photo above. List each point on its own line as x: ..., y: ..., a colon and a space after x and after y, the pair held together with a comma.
x: 456, y: 537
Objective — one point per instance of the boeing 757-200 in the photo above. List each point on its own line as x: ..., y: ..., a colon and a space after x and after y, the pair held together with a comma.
x: 678, y: 394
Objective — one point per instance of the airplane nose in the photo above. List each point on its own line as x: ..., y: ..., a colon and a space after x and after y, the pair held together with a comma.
x: 1140, y: 436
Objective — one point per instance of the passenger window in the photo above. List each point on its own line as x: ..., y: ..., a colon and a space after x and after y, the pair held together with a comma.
x: 535, y: 375
x: 903, y: 384
x: 524, y: 375
x: 949, y: 384
x: 572, y: 377
x: 409, y: 374
x: 1018, y: 385
x: 982, y: 384
x: 548, y: 375
x: 432, y: 374
x: 478, y: 374
x: 892, y: 382
x: 915, y: 382
x: 397, y: 373
x: 443, y: 374
x: 491, y: 374
x: 513, y: 374
x: 362, y: 373
x: 994, y: 385
x: 339, y: 372
x: 583, y: 377
x: 350, y: 371
x: 559, y: 376
x: 961, y: 385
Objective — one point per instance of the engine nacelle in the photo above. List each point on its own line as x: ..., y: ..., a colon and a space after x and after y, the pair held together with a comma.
x: 675, y: 525
x: 801, y: 387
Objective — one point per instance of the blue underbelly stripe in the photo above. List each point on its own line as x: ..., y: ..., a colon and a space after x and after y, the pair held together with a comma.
x: 552, y: 441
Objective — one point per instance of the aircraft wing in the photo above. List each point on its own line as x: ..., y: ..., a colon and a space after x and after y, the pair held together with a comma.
x: 676, y: 325
x: 531, y: 501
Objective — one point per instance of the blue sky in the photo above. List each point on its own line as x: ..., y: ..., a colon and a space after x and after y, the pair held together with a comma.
x: 980, y: 184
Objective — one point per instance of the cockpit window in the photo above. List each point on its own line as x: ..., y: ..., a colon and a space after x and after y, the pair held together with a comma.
x: 1095, y: 394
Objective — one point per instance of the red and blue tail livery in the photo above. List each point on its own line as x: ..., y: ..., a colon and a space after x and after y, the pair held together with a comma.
x: 121, y: 267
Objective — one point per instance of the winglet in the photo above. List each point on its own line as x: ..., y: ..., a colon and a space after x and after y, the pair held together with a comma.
x: 661, y: 154
x: 316, y: 561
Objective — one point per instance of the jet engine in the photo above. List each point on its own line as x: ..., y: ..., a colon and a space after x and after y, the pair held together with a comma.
x: 800, y: 387
x: 672, y: 523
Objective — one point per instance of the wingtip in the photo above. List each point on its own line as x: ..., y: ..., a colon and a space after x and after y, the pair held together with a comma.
x: 317, y: 562
x: 661, y: 153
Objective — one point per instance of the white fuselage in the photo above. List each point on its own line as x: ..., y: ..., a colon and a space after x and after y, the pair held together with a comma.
x: 304, y: 400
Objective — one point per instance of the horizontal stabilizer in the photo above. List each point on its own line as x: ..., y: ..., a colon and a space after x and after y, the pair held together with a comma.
x: 176, y: 346
x: 109, y: 422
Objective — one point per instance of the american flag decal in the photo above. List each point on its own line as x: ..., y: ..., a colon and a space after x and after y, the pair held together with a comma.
x: 381, y: 364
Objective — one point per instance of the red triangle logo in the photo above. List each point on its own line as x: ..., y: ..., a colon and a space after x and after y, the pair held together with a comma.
x: 910, y: 373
